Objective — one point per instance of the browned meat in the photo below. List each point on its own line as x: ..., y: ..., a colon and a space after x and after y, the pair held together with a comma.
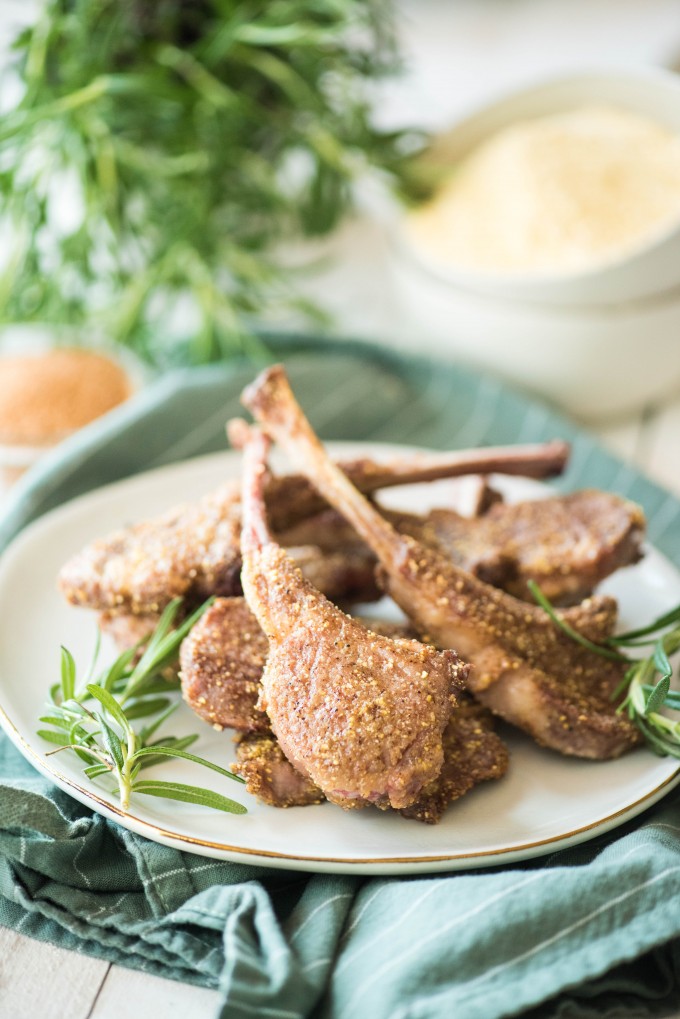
x: 193, y: 550
x: 343, y: 575
x: 567, y: 544
x: 190, y: 552
x: 270, y: 776
x: 327, y: 531
x: 360, y: 714
x: 473, y: 753
x: 222, y: 660
x: 525, y: 668
x: 221, y: 663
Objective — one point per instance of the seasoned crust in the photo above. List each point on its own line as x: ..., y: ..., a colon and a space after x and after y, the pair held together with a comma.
x: 191, y: 552
x: 567, y: 544
x: 270, y: 776
x: 221, y: 663
x: 473, y: 753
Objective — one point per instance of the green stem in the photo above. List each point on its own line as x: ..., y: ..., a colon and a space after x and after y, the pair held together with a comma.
x: 125, y: 777
x: 66, y: 104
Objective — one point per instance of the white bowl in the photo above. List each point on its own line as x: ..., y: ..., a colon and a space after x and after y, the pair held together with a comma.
x: 599, y: 343
x: 595, y: 362
x: 651, y: 268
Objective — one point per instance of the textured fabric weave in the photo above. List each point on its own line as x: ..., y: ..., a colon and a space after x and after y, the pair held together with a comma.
x: 591, y: 931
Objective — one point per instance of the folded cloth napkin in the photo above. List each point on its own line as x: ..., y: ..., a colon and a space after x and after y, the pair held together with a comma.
x: 588, y: 931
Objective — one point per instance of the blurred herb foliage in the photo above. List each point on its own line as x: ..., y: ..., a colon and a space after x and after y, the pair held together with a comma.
x: 158, y: 152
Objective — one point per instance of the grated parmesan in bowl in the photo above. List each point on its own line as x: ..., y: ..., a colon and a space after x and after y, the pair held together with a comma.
x: 562, y: 193
x: 549, y: 253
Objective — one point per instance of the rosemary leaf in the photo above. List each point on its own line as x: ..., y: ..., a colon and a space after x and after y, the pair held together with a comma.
x: 112, y: 743
x: 190, y: 794
x: 83, y: 720
x: 61, y: 739
x: 657, y: 698
x: 645, y: 696
x: 144, y: 707
x: 168, y: 741
x: 166, y: 751
x: 68, y: 674
x: 196, y: 137
x: 667, y: 619
x: 58, y: 721
x: 661, y: 662
x: 108, y: 701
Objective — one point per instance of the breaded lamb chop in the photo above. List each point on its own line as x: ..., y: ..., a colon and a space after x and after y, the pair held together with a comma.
x: 222, y: 660
x: 359, y: 714
x: 524, y: 668
x: 221, y: 663
x: 193, y: 550
x: 568, y: 544
x: 473, y: 753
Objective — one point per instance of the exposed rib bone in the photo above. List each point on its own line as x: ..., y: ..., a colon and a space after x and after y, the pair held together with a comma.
x: 291, y: 498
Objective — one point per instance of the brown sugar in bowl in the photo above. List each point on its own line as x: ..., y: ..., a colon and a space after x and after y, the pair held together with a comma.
x: 46, y: 396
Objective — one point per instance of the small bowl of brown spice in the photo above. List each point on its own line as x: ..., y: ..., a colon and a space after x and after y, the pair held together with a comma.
x: 47, y: 395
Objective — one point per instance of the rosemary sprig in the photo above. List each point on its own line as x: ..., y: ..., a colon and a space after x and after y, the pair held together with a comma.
x: 156, y: 155
x: 646, y: 685
x: 94, y: 720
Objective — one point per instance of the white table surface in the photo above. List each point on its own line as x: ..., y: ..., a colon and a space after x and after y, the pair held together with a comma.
x: 459, y: 53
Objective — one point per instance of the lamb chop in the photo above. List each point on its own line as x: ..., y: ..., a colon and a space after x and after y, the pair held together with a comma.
x: 360, y: 714
x: 222, y: 660
x: 524, y: 668
x: 193, y: 550
x: 221, y: 665
x: 568, y: 544
x: 473, y: 753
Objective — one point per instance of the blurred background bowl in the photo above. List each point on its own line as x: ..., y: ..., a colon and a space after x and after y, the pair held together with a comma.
x: 600, y: 342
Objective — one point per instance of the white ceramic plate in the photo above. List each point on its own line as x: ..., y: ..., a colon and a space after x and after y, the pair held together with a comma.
x: 545, y: 802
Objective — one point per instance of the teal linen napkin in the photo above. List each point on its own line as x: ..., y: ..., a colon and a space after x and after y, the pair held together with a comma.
x: 585, y: 932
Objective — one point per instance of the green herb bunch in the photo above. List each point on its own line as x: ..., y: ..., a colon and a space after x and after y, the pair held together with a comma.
x: 95, y: 720
x: 645, y: 692
x: 160, y: 150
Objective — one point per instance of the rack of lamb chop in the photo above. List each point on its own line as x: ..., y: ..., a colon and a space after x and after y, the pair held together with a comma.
x: 360, y: 714
x: 525, y: 668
